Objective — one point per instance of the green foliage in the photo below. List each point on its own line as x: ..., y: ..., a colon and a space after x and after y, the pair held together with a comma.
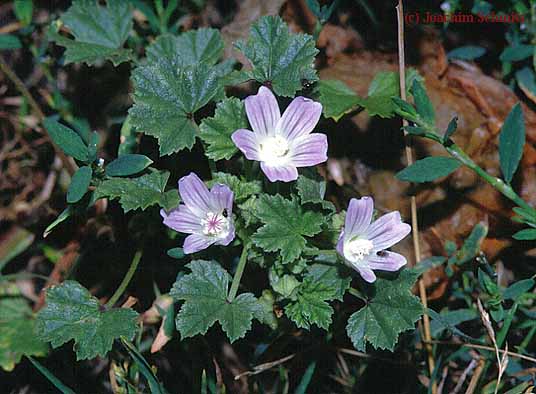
x: 72, y: 313
x: 189, y: 48
x: 23, y: 10
x: 471, y: 245
x: 9, y: 41
x: 99, y: 32
x: 138, y: 193
x: 17, y: 332
x: 241, y: 189
x: 424, y: 106
x: 205, y: 294
x: 279, y: 58
x: 68, y: 140
x: 468, y: 52
x: 511, y: 142
x: 323, y: 12
x: 285, y: 226
x: 517, y: 289
x: 428, y: 169
x: 128, y: 164
x: 448, y: 320
x: 392, y: 310
x: 216, y: 131
x: 337, y: 99
x: 516, y: 53
x: 311, y: 189
x: 528, y: 234
x: 79, y: 184
x: 169, y: 90
x: 451, y: 129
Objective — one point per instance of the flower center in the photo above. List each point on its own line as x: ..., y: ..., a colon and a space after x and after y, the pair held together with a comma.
x: 357, y: 249
x: 274, y: 149
x: 215, y: 225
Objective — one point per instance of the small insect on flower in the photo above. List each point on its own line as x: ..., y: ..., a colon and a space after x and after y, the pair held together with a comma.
x: 362, y: 244
x: 282, y: 143
x: 205, y: 215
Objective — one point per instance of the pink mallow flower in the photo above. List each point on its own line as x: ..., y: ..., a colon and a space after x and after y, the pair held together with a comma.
x: 282, y: 143
x: 362, y: 244
x: 205, y: 215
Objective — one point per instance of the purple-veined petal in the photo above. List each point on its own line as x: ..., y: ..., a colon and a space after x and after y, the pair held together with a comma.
x: 196, y: 242
x: 387, y: 231
x: 300, y: 117
x: 386, y: 261
x: 195, y: 194
x: 366, y: 273
x: 246, y: 141
x: 309, y: 150
x: 358, y: 216
x: 284, y: 173
x: 227, y: 240
x: 222, y: 198
x: 181, y: 219
x: 340, y: 244
x: 263, y: 112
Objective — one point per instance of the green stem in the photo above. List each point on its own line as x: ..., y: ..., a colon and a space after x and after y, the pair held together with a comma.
x: 126, y: 280
x: 357, y: 293
x: 239, y: 272
x: 456, y: 152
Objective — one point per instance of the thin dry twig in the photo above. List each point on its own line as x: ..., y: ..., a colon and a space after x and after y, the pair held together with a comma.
x: 474, y: 380
x: 264, y: 367
x: 414, y: 218
x: 484, y: 347
x: 472, y: 365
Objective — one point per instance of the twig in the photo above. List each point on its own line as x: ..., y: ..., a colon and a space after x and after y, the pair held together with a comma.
x: 414, y: 218
x: 264, y: 367
x: 474, y: 380
x: 126, y: 280
x: 472, y: 365
x: 69, y: 166
x: 484, y: 347
x: 355, y: 353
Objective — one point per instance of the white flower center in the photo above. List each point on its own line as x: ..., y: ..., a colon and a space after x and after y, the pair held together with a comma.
x: 357, y: 249
x: 274, y: 149
x: 215, y: 225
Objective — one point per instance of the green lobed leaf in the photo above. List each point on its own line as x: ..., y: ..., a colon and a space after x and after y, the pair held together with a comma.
x: 467, y: 52
x: 428, y: 169
x: 230, y: 116
x: 9, y: 41
x: 135, y: 193
x: 166, y: 95
x: 205, y: 294
x: 189, y: 48
x: 72, y: 313
x: 312, y: 188
x: 310, y: 306
x: 511, y: 142
x: 241, y: 189
x: 285, y: 226
x: 17, y: 332
x: 337, y: 99
x: 68, y: 140
x: 393, y: 309
x: 99, y: 32
x: 279, y: 58
x: 128, y: 164
x: 79, y: 184
x: 527, y: 234
x: 424, y: 106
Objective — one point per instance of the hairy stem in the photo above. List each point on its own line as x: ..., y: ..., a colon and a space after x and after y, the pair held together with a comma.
x: 239, y: 272
x: 126, y: 280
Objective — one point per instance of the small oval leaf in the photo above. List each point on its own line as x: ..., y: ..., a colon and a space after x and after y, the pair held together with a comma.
x: 68, y: 140
x: 511, y: 142
x: 79, y: 184
x: 528, y: 234
x: 428, y: 169
x: 128, y: 164
x: 468, y: 52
